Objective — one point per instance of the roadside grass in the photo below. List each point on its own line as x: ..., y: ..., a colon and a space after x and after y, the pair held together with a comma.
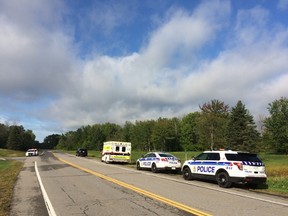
x: 277, y: 172
x: 276, y: 168
x: 11, y: 153
x: 9, y: 170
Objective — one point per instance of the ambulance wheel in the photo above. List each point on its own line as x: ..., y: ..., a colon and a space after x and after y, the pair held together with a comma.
x: 187, y: 175
x: 223, y: 180
x: 106, y: 161
x: 154, y: 168
x: 138, y: 166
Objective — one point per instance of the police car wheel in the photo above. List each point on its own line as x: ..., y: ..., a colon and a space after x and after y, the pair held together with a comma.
x: 253, y: 185
x: 154, y: 168
x: 187, y: 175
x: 138, y: 166
x: 223, y: 180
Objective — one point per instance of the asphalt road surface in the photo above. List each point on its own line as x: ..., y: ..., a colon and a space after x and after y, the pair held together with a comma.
x: 85, y: 186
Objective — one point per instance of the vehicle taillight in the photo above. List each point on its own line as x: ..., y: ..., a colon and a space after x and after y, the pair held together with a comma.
x: 164, y: 159
x: 239, y: 165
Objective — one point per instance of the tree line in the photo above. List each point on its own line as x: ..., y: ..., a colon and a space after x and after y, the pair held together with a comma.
x: 17, y: 138
x: 214, y: 126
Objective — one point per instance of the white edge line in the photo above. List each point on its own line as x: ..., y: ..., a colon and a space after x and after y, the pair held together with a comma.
x: 47, y: 201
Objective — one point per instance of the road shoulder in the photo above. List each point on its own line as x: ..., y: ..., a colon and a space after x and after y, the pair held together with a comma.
x: 27, y: 197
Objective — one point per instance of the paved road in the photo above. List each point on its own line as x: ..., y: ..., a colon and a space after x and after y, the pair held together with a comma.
x: 27, y: 198
x: 101, y: 189
x: 75, y: 192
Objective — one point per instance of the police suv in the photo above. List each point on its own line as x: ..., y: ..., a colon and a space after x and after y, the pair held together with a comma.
x: 226, y: 167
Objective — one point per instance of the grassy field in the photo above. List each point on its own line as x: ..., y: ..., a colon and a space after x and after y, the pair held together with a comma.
x: 9, y: 170
x: 277, y: 172
x: 11, y: 153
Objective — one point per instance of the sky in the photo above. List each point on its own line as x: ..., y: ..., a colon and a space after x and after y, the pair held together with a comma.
x: 65, y: 64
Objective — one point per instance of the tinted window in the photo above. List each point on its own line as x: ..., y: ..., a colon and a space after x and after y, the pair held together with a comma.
x: 243, y: 157
x: 208, y: 156
x: 213, y: 156
x: 150, y: 155
x: 165, y: 155
x: 123, y: 149
x: 202, y: 156
x: 117, y: 148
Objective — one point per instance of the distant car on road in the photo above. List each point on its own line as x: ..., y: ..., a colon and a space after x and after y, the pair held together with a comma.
x: 156, y: 161
x: 81, y: 152
x: 31, y: 152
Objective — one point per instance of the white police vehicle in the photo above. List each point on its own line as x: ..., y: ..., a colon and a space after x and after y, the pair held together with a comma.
x: 156, y: 161
x: 226, y: 167
x: 31, y: 152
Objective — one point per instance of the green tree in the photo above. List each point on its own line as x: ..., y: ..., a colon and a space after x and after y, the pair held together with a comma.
x: 267, y: 142
x: 4, y: 132
x: 141, y: 135
x: 15, y: 138
x: 277, y: 124
x: 165, y: 135
x: 85, y: 137
x: 111, y: 131
x: 97, y: 136
x: 241, y: 131
x: 212, y: 124
x: 126, y: 131
x: 28, y: 140
x: 51, y: 141
x: 68, y: 141
x: 189, y: 136
x: 62, y: 142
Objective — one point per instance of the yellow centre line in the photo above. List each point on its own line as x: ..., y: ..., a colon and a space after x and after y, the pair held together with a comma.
x: 139, y: 190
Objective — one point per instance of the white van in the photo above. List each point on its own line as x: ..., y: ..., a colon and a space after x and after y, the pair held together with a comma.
x: 116, y: 151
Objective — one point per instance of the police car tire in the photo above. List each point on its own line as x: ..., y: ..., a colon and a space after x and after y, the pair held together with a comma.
x: 187, y: 175
x: 253, y: 185
x: 154, y: 168
x: 223, y: 180
x: 138, y: 166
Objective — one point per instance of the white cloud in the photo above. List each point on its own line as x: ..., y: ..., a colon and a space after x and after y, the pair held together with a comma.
x: 34, y: 60
x: 105, y: 17
x: 139, y: 85
x: 251, y: 24
x: 183, y: 34
x: 283, y: 4
x: 146, y: 85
